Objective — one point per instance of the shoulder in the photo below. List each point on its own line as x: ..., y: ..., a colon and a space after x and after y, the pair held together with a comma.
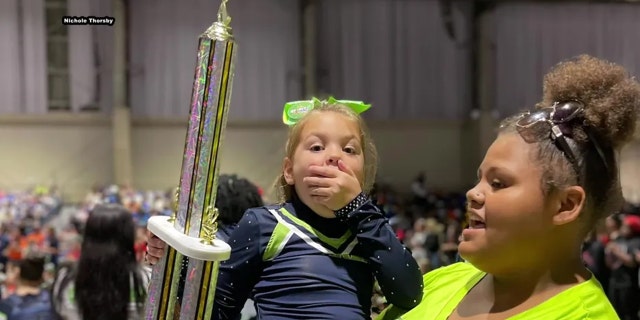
x: 65, y: 271
x: 265, y: 214
x: 7, y: 304
x: 585, y: 301
x: 262, y: 212
x: 460, y: 271
x: 256, y: 222
x: 30, y: 306
x: 63, y: 282
x: 593, y: 300
x: 439, y: 286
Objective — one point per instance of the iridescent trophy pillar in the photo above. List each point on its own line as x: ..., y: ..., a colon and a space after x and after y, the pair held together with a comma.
x: 190, y: 231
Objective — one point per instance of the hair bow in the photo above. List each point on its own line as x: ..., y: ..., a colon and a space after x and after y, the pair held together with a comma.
x: 295, y: 110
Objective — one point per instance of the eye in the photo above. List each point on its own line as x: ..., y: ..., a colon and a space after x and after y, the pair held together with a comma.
x: 496, y: 184
x: 350, y: 150
x: 316, y: 148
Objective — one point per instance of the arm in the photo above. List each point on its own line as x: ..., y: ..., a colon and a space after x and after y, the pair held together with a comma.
x: 624, y: 256
x: 240, y: 273
x: 390, y: 313
x: 395, y: 269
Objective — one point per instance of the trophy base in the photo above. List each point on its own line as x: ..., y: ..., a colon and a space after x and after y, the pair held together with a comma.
x: 186, y: 245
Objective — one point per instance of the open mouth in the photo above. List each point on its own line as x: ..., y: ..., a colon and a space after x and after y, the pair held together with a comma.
x: 476, y: 224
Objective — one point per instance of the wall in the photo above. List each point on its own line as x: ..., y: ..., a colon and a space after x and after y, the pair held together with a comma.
x: 630, y: 170
x: 256, y: 151
x: 72, y: 152
x: 75, y: 152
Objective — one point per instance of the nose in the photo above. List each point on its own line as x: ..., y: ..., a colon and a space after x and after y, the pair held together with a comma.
x: 475, y: 197
x: 333, y: 155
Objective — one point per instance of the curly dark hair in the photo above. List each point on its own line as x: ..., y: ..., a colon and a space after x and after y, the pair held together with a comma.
x: 611, y: 101
x: 235, y: 196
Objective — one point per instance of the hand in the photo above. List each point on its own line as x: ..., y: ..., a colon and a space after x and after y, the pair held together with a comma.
x: 333, y: 187
x: 155, y: 249
x: 611, y: 246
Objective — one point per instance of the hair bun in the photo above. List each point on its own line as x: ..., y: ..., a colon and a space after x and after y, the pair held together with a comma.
x: 611, y: 97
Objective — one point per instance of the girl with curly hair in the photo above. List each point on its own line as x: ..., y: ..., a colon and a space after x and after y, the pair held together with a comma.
x: 548, y: 177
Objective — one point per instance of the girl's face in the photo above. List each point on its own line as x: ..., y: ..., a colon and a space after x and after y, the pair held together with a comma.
x: 510, y: 220
x: 325, y: 138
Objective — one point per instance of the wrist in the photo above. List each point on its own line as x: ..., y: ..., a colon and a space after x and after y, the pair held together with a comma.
x: 343, y: 213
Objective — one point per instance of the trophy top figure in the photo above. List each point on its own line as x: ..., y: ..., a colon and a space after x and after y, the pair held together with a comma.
x: 221, y: 29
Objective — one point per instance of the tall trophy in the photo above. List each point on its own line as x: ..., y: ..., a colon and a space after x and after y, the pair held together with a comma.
x: 190, y: 230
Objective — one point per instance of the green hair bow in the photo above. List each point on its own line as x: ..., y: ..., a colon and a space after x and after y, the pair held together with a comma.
x: 295, y: 110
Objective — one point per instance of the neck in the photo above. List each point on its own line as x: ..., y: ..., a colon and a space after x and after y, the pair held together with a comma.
x: 27, y: 287
x: 316, y: 208
x: 554, y: 273
x: 326, y: 224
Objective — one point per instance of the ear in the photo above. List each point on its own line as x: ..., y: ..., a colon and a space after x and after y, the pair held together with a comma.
x: 571, y: 202
x: 287, y: 171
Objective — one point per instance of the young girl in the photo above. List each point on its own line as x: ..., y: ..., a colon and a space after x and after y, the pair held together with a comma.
x: 546, y: 180
x: 315, y: 255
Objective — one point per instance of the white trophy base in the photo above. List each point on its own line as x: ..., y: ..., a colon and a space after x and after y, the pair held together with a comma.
x: 186, y: 245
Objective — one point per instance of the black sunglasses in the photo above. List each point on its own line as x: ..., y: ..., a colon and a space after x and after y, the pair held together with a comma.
x: 554, y: 122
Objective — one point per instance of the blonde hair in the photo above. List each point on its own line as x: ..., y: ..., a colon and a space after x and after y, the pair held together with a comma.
x: 285, y: 192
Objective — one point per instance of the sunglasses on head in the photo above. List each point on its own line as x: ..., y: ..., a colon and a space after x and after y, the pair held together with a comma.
x: 552, y: 122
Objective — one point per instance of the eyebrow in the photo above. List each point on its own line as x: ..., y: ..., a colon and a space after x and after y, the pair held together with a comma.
x: 493, y: 169
x: 324, y: 137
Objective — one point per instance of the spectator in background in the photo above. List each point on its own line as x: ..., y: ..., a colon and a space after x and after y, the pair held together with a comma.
x: 140, y: 246
x: 420, y: 192
x: 17, y: 245
x: 613, y: 224
x: 36, y: 238
x: 30, y: 300
x: 107, y: 282
x: 5, y: 240
x: 593, y: 255
x: 51, y: 246
x: 10, y: 281
x: 624, y: 292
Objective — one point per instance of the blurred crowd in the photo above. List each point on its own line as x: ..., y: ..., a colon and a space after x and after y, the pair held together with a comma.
x: 141, y: 204
x: 25, y: 227
x: 426, y: 220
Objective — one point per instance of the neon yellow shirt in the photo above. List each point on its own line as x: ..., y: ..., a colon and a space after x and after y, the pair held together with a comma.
x: 444, y: 288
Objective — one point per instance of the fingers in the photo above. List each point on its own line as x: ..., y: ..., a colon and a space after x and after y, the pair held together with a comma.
x: 317, y: 182
x: 156, y: 243
x: 154, y: 253
x: 322, y: 192
x: 155, y: 249
x: 324, y: 171
x: 343, y: 167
